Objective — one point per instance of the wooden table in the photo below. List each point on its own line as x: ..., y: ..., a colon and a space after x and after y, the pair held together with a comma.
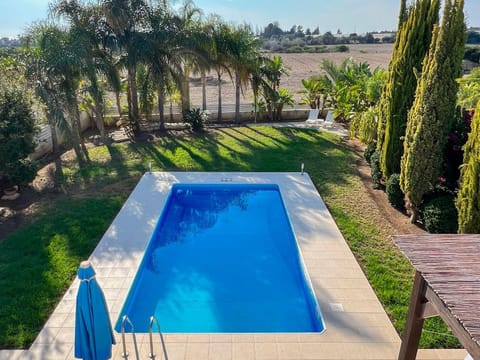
x: 447, y: 283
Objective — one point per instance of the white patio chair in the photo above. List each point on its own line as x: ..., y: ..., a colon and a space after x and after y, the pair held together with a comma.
x: 329, y: 118
x: 313, y: 116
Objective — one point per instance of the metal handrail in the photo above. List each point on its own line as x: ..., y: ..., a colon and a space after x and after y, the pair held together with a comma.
x: 125, y: 352
x: 150, y: 330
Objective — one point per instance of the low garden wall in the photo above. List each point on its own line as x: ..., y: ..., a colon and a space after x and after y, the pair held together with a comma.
x: 44, y: 138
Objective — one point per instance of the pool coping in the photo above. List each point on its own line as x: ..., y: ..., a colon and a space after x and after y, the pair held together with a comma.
x: 357, y: 326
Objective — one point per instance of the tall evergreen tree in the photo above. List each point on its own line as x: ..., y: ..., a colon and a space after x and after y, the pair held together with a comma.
x: 468, y: 199
x: 411, y: 45
x: 430, y: 117
x: 403, y: 16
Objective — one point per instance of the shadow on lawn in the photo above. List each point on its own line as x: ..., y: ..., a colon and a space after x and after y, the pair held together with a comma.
x: 39, y: 263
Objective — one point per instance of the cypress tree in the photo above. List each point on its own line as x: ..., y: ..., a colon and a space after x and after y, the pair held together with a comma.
x: 403, y: 16
x: 430, y: 117
x: 468, y: 199
x: 411, y: 45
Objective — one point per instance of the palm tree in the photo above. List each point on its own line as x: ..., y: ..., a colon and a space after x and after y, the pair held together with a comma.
x: 176, y: 43
x: 89, y: 29
x: 59, y: 63
x: 224, y: 46
x: 162, y: 54
x: 126, y: 18
x: 36, y: 75
x: 196, y: 44
x: 272, y: 71
x: 243, y: 60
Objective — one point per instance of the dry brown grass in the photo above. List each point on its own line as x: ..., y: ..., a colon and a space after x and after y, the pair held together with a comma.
x: 301, y: 66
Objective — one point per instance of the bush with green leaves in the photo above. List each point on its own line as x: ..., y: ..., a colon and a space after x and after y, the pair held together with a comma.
x: 17, y: 131
x: 394, y: 192
x: 376, y: 170
x: 439, y: 213
x: 369, y: 150
x: 196, y: 118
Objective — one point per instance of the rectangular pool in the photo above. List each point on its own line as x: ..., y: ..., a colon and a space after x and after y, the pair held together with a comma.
x: 223, y: 258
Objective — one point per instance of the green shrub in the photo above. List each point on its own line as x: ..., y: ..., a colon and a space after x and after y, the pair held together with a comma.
x: 341, y: 48
x: 17, y: 132
x: 196, y: 118
x: 375, y: 170
x: 440, y: 214
x: 369, y: 150
x: 394, y: 192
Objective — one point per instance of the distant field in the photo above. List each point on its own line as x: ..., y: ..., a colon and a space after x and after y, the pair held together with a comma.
x: 301, y: 67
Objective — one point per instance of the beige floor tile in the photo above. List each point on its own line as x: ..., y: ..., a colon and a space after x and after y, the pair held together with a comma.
x: 288, y: 350
x: 310, y: 338
x: 371, y: 351
x: 220, y: 338
x: 57, y: 320
x: 266, y: 350
x: 451, y: 354
x: 359, y: 306
x: 176, y: 351
x: 359, y: 335
x: 320, y: 283
x: 47, y: 335
x: 310, y: 351
x: 427, y: 354
x: 65, y: 306
x: 158, y: 351
x: 220, y: 351
x: 243, y: 351
x: 197, y: 351
x: 355, y: 320
x: 51, y: 351
x: 175, y: 338
x: 263, y: 338
x: 243, y: 338
x: 66, y: 335
x: 342, y: 294
x: 199, y: 338
x: 290, y: 337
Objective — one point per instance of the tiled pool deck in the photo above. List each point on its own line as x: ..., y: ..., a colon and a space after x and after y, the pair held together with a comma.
x: 356, y: 324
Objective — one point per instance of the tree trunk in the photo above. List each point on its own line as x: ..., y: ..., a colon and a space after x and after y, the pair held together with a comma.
x: 129, y: 102
x: 73, y: 132
x: 53, y: 129
x: 255, y: 106
x: 99, y: 121
x: 237, y: 96
x: 219, y: 110
x: 161, y: 102
x: 412, y: 209
x: 119, y: 106
x: 204, y: 91
x: 132, y: 82
x: 185, y: 91
x: 78, y: 130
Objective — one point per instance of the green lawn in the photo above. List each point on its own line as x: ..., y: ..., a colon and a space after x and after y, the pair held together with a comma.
x: 38, y: 262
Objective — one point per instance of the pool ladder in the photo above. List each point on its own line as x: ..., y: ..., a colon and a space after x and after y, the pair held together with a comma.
x: 151, y: 355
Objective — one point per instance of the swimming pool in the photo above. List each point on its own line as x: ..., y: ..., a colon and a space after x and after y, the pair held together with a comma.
x: 223, y: 258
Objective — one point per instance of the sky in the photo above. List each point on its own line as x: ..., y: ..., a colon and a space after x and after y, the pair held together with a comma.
x: 348, y: 16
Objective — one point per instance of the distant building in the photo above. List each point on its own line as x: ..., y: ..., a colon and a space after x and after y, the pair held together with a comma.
x: 9, y: 42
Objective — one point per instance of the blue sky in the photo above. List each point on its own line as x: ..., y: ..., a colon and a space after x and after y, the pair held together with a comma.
x: 329, y: 15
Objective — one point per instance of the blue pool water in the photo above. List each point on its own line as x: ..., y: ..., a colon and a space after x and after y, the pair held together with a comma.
x: 223, y: 258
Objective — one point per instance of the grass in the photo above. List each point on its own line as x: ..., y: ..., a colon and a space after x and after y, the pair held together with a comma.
x: 39, y: 261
